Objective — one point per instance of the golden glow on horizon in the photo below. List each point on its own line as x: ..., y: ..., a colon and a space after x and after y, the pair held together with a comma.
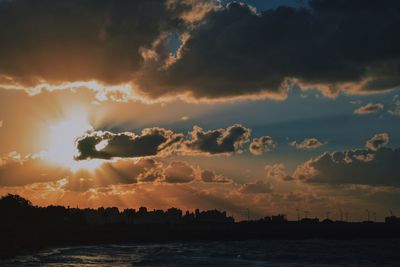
x: 61, y: 147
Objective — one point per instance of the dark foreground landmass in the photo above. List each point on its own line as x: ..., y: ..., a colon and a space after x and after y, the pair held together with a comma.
x: 24, y: 227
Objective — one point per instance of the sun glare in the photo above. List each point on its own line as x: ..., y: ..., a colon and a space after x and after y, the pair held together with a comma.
x: 61, y: 144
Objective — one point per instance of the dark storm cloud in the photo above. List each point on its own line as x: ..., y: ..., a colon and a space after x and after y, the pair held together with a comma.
x: 221, y: 141
x: 336, y: 45
x: 307, y: 143
x: 377, y: 141
x: 73, y: 40
x: 261, y: 145
x: 369, y: 108
x: 106, y: 145
x: 161, y: 142
x: 363, y: 167
x: 225, y: 51
x: 155, y: 142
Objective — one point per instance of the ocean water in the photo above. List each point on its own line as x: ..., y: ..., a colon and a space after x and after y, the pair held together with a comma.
x: 238, y: 253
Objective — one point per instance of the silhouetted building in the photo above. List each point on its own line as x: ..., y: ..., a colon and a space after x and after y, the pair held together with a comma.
x: 102, y: 216
x: 280, y: 218
x: 309, y: 220
x: 212, y: 216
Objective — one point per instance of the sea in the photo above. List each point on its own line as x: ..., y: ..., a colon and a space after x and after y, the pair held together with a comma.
x: 226, y: 253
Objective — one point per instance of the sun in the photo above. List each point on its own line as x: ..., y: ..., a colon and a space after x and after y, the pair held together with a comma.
x: 61, y: 147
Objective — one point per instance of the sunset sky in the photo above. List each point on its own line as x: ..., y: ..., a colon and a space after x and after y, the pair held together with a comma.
x: 272, y: 106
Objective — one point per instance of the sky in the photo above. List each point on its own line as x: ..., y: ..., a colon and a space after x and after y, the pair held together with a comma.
x: 270, y: 106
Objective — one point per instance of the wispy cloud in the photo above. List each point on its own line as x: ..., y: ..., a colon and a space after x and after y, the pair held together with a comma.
x: 307, y: 143
x: 369, y: 109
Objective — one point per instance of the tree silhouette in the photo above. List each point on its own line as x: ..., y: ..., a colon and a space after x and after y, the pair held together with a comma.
x: 11, y: 201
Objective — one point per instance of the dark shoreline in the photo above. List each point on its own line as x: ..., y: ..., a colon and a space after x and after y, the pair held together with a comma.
x: 25, y: 228
x: 22, y: 240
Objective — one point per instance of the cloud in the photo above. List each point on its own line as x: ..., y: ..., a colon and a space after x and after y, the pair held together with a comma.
x: 76, y: 40
x: 307, y: 143
x: 185, y: 189
x: 127, y: 171
x: 118, y: 172
x: 209, y: 176
x: 107, y: 145
x: 369, y: 108
x: 258, y: 187
x: 262, y: 144
x: 395, y: 106
x: 16, y: 170
x: 220, y: 141
x: 179, y: 172
x: 363, y: 167
x: 235, y: 52
x: 185, y: 118
x: 161, y: 142
x: 377, y: 141
x: 277, y: 171
x: 149, y: 170
x: 195, y: 10
x: 223, y: 52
